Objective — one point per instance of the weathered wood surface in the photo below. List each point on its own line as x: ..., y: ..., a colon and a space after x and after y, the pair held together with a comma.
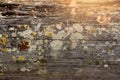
x: 62, y: 48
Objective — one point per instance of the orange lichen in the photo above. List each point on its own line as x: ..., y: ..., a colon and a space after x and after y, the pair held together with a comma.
x: 90, y: 31
x: 85, y: 38
x: 33, y: 34
x: 3, y: 40
x: 26, y: 27
x: 14, y: 58
x: 23, y: 27
x: 4, y: 50
x: 2, y: 74
x: 50, y: 34
x: 6, y: 36
x: 23, y: 45
x: 66, y: 31
x: 21, y: 58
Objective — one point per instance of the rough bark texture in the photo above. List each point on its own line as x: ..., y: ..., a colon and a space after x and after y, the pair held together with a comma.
x: 45, y: 42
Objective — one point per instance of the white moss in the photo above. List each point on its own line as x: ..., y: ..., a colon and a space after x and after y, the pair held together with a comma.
x: 89, y: 28
x: 74, y: 44
x: 32, y: 48
x: 56, y: 45
x: 58, y: 26
x: 106, y: 65
x: 26, y: 34
x: 23, y: 69
x: 76, y: 36
x: 60, y: 35
x: 78, y: 27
